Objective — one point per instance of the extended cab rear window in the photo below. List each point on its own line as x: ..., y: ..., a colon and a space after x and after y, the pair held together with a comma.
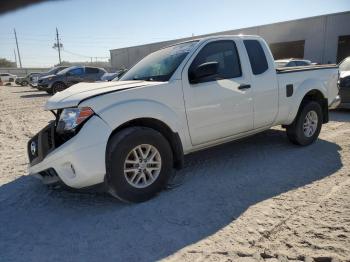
x: 256, y: 56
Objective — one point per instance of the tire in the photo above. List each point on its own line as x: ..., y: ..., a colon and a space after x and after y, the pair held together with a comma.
x: 127, y: 185
x: 24, y: 83
x: 307, y: 125
x: 57, y: 87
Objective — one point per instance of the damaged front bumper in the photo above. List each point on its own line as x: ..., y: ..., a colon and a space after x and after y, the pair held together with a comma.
x: 78, y: 162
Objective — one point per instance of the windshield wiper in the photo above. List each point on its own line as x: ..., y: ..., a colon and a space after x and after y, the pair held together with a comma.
x: 149, y: 79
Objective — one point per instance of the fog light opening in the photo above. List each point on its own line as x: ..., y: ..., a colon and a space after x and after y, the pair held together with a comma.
x: 72, y: 167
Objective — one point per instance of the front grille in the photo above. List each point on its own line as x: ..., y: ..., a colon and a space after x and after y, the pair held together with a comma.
x: 50, y: 177
x: 41, y: 144
x: 48, y: 173
x: 33, y: 148
x: 50, y: 140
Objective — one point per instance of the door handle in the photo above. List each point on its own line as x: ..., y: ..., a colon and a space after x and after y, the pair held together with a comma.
x: 243, y: 86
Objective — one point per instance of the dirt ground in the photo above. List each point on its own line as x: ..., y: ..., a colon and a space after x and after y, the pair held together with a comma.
x: 257, y: 199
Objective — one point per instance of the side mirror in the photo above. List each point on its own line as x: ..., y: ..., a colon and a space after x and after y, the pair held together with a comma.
x: 202, y: 71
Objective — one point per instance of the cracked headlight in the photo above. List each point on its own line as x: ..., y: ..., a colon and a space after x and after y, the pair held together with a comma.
x: 71, y: 118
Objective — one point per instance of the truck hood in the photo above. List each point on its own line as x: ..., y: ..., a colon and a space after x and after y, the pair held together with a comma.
x: 71, y: 97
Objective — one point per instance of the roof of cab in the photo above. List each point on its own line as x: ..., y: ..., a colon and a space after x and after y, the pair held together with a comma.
x: 240, y: 36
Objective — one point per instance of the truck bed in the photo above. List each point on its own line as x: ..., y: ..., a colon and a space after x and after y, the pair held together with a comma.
x: 293, y: 81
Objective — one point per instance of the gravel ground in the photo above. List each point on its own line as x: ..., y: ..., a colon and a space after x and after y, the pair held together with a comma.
x: 260, y: 198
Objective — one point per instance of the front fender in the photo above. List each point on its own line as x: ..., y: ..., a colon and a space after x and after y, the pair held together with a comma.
x: 118, y: 114
x: 299, y: 94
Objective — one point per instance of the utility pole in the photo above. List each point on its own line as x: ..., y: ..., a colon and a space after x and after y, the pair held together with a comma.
x: 14, y: 51
x: 19, y: 56
x: 58, y: 46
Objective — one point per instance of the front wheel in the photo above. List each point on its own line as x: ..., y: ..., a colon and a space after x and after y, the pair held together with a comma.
x: 57, y: 87
x: 139, y: 162
x: 307, y: 124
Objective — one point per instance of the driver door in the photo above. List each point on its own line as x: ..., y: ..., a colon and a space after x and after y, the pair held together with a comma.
x: 75, y: 76
x: 218, y: 106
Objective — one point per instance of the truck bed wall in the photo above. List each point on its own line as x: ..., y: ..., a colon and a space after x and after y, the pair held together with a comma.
x: 303, y: 80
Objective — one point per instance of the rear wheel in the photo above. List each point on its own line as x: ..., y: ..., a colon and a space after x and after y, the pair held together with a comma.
x: 139, y: 163
x: 24, y: 83
x: 58, y: 87
x: 307, y: 124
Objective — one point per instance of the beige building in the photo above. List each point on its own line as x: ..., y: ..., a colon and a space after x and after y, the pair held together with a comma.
x: 321, y: 39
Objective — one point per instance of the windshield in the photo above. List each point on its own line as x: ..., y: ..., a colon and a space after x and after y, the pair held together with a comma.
x: 160, y: 65
x: 52, y: 71
x: 64, y: 71
x: 345, y: 65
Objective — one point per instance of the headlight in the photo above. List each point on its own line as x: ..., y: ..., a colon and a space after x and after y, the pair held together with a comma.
x: 72, y: 117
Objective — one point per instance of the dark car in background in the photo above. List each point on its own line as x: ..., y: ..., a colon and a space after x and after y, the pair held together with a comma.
x: 344, y: 83
x: 28, y: 79
x: 68, y: 77
x: 53, y: 71
x: 113, y: 76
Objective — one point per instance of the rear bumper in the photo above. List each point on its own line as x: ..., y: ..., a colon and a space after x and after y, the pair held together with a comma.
x: 335, y: 103
x: 79, y: 162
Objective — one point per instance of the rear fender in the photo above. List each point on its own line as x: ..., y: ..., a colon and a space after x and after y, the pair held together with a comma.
x: 299, y: 94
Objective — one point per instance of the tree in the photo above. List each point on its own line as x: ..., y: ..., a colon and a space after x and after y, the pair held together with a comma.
x: 7, y: 63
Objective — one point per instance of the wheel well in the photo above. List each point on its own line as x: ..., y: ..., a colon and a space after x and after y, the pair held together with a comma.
x: 58, y: 82
x: 316, y: 95
x: 172, y: 137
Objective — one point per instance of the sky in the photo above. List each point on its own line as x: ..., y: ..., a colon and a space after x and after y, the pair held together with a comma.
x: 91, y: 28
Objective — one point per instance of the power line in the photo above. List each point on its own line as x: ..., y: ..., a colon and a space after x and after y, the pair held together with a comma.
x: 86, y: 56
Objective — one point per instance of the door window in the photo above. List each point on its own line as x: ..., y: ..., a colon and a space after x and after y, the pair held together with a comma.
x: 91, y: 70
x: 225, y: 54
x: 76, y: 71
x: 257, y: 57
x: 301, y: 63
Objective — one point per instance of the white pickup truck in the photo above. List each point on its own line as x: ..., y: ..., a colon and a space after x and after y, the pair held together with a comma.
x: 128, y: 135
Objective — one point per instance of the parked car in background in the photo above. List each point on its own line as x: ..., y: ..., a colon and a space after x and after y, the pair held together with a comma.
x: 33, y: 81
x: 68, y: 77
x: 52, y: 71
x: 113, y: 76
x: 24, y: 81
x: 128, y: 135
x: 293, y: 62
x: 7, y: 77
x: 344, y: 83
